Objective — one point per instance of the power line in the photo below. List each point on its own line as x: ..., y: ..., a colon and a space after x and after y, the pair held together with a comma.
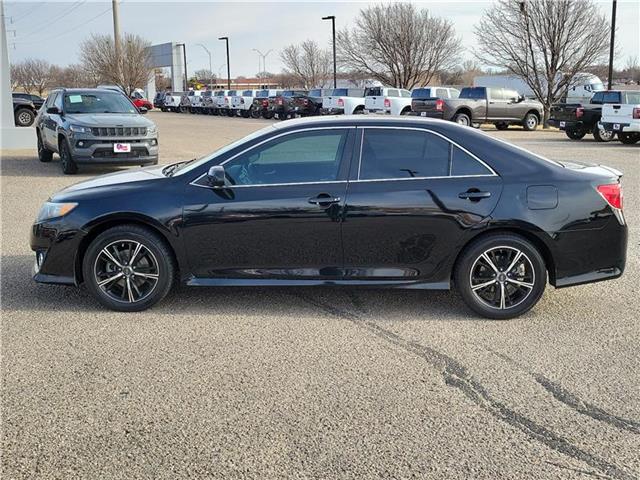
x: 71, y: 30
x: 55, y: 19
x: 29, y: 10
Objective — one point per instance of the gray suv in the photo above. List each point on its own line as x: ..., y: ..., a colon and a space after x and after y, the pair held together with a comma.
x: 94, y: 126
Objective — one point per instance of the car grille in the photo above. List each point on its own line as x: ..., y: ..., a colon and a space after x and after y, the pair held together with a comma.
x: 108, y: 153
x: 119, y: 131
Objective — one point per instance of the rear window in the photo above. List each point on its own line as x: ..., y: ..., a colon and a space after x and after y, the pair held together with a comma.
x: 473, y: 92
x: 262, y: 94
x: 232, y: 93
x: 373, y: 92
x: 288, y: 93
x: 421, y: 93
x: 247, y: 93
x: 337, y: 92
x: 315, y: 93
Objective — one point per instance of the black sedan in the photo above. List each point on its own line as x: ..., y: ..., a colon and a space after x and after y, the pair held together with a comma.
x: 353, y: 201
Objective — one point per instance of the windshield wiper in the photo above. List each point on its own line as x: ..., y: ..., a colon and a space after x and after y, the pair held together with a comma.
x: 173, y: 168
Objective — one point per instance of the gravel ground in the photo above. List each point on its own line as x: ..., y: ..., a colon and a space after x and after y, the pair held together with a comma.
x: 314, y: 383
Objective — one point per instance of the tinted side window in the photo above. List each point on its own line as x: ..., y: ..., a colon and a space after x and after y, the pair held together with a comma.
x: 441, y: 93
x: 464, y: 164
x: 397, y: 153
x: 473, y: 93
x: 393, y: 92
x: 597, y: 98
x: 405, y: 93
x: 496, y: 94
x: 299, y: 157
x: 50, y: 99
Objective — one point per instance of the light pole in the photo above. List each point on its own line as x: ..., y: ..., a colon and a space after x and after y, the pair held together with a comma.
x: 184, y: 56
x: 210, y: 67
x: 333, y: 28
x: 226, y: 39
x: 613, y: 38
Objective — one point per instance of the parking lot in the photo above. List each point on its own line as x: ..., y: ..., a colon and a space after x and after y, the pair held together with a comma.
x: 314, y: 383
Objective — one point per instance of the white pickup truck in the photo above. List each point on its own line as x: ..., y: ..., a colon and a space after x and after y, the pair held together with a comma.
x: 218, y: 101
x: 172, y: 101
x: 394, y: 101
x: 195, y: 100
x: 623, y: 119
x: 243, y: 102
x: 344, y: 100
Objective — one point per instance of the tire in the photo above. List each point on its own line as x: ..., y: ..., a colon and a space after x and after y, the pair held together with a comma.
x: 163, y: 109
x: 154, y: 262
x: 501, y: 249
x: 406, y: 111
x: 575, y: 134
x: 530, y: 122
x: 462, y: 119
x: 24, y: 117
x: 245, y: 113
x: 267, y: 115
x: 629, y: 138
x: 69, y: 167
x: 602, y: 135
x: 44, y: 154
x: 254, y: 113
x: 502, y: 126
x: 359, y: 110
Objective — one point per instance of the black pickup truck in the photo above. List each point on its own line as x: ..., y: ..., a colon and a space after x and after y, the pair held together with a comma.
x: 286, y: 104
x: 578, y: 119
x: 310, y: 104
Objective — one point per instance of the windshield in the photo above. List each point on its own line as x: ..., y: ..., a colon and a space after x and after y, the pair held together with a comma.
x: 187, y: 167
x: 97, y: 102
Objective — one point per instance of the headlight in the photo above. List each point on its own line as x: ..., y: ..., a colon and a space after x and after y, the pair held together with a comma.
x: 152, y: 130
x: 54, y: 210
x: 79, y: 129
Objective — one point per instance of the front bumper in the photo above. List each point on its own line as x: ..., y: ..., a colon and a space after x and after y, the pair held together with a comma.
x: 100, y: 151
x: 55, y: 243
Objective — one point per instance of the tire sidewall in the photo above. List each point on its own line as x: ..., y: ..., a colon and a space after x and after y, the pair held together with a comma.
x: 151, y: 241
x: 470, y: 255
x: 69, y: 167
x: 534, y: 120
x: 459, y: 116
x: 21, y: 112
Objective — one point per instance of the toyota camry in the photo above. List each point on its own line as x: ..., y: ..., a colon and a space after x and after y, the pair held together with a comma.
x: 351, y: 201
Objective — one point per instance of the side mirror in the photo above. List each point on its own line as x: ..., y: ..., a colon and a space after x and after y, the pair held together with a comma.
x: 143, y: 110
x: 216, y: 176
x: 53, y: 110
x: 514, y: 100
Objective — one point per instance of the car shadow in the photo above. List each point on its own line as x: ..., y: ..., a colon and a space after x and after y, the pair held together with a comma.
x: 21, y: 294
x: 30, y: 166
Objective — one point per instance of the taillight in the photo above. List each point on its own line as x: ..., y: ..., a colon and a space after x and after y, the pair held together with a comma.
x: 387, y: 103
x: 612, y: 193
x: 579, y: 112
x: 340, y: 102
x: 439, y: 104
x: 265, y: 103
x: 636, y: 113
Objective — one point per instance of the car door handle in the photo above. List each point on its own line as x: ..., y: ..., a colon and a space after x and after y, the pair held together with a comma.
x: 474, y: 195
x: 324, y: 200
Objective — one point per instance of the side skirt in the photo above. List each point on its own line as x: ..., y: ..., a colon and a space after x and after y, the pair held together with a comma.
x: 252, y: 282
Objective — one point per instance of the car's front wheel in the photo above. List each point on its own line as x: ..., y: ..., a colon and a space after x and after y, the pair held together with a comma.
x: 69, y: 166
x: 501, y: 276
x: 44, y: 154
x: 129, y: 268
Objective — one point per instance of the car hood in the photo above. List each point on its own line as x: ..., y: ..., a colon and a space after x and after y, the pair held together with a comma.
x: 109, y: 119
x: 128, y: 178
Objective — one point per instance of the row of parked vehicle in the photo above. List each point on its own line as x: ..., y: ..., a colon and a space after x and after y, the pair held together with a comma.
x: 607, y: 114
x: 469, y: 106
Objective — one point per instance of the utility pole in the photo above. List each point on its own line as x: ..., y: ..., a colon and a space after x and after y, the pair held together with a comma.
x: 333, y: 28
x: 210, y: 67
x: 226, y: 39
x: 115, y: 7
x: 612, y: 43
x: 184, y: 58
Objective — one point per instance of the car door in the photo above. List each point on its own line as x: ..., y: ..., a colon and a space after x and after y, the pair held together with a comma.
x: 50, y: 120
x: 498, y: 108
x: 279, y: 215
x: 410, y: 209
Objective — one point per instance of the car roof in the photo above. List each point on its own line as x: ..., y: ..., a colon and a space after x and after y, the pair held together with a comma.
x: 357, y: 120
x: 87, y: 90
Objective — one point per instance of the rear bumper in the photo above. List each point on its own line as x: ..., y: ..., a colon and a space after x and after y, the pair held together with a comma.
x: 428, y: 114
x: 378, y: 111
x: 332, y: 111
x: 621, y: 127
x: 566, y: 124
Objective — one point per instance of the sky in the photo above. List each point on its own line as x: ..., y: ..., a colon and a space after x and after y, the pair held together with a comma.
x: 53, y: 30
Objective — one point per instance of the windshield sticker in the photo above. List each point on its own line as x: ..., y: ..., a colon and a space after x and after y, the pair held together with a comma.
x: 75, y: 98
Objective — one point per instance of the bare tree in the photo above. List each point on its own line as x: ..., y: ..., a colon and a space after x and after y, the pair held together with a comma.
x: 309, y: 63
x: 130, y: 71
x: 399, y: 45
x: 32, y: 75
x: 547, y: 43
x: 15, y: 75
x: 74, y: 76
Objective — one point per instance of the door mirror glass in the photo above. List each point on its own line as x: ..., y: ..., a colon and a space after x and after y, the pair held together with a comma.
x: 142, y: 110
x: 216, y: 176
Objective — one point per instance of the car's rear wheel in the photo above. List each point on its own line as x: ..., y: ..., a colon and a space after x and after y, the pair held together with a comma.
x: 530, y: 122
x: 602, y: 135
x: 69, y: 166
x: 129, y: 268
x: 574, y: 133
x: 406, y: 111
x: 501, y: 276
x: 24, y: 117
x: 254, y: 112
x: 44, y: 154
x: 462, y: 119
x: 502, y: 125
x: 629, y: 138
